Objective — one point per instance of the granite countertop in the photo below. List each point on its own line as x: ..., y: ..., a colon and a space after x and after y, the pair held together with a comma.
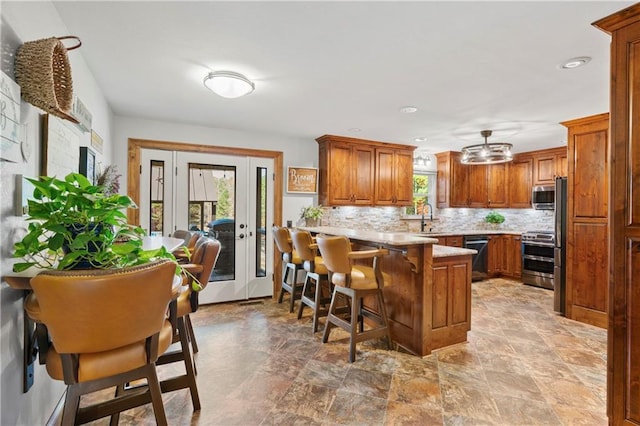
x: 447, y: 251
x: 468, y: 232
x: 390, y: 238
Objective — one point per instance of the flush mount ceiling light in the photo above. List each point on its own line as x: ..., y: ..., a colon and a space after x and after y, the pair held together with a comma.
x: 575, y: 62
x: 228, y: 84
x: 487, y: 153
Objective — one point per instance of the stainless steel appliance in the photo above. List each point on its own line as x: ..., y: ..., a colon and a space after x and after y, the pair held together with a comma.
x: 479, y: 260
x: 543, y: 197
x: 560, y: 256
x: 537, y: 258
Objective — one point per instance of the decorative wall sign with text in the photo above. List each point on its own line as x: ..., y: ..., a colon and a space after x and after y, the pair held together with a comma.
x: 302, y: 179
x: 9, y: 119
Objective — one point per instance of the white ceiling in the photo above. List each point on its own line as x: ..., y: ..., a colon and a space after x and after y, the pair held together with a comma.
x: 329, y: 67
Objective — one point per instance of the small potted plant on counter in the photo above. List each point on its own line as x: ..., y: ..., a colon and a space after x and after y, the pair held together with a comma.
x: 494, y: 218
x: 311, y: 214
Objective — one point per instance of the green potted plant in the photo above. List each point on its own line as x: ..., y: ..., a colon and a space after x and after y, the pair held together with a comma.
x: 76, y: 225
x: 494, y: 217
x: 311, y: 215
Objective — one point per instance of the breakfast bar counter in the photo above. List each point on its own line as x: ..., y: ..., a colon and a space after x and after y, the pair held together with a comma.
x: 429, y: 295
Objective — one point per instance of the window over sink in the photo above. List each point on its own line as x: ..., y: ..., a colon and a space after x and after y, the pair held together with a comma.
x: 424, y: 191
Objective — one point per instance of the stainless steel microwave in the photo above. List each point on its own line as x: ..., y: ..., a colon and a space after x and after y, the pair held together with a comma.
x: 543, y: 197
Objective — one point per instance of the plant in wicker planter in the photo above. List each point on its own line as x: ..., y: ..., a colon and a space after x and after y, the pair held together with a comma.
x: 75, y: 225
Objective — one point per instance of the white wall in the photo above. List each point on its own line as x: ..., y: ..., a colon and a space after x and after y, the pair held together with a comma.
x: 297, y: 152
x: 26, y: 21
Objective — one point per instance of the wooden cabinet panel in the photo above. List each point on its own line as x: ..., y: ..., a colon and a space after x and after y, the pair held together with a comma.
x: 439, y: 296
x: 549, y: 164
x: 454, y: 241
x: 460, y: 300
x: 563, y: 168
x: 358, y: 172
x: 385, y: 169
x: 404, y: 177
x: 590, y: 175
x: 477, y: 186
x: 497, y: 184
x: 544, y: 170
x: 443, y: 179
x: 589, y: 268
x: 514, y: 257
x: 459, y: 190
x: 520, y: 179
x: 394, y: 177
x: 495, y: 254
x: 339, y: 187
x: 477, y: 177
x: 504, y: 256
x: 362, y: 175
x: 451, y: 296
x: 587, y: 220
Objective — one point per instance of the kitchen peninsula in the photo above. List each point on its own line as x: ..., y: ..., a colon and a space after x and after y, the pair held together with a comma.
x: 429, y: 295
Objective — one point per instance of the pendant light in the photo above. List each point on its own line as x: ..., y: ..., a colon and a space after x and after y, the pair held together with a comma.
x: 487, y: 153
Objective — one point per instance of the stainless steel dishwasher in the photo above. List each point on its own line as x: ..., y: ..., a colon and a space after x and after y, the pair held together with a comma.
x: 479, y: 260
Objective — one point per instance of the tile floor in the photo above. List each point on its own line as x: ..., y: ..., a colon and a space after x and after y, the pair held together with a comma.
x: 522, y: 365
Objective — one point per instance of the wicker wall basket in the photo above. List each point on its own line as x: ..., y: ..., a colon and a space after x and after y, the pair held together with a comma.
x: 44, y: 75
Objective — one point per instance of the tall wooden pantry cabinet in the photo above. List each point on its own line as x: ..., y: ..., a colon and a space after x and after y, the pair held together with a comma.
x: 587, y: 232
x: 623, y: 355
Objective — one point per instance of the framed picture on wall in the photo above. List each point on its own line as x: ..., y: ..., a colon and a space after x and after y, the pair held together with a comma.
x: 87, y: 166
x: 302, y: 179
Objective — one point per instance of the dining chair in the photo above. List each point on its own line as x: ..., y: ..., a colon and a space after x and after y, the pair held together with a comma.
x: 107, y: 328
x: 353, y: 282
x: 203, y: 261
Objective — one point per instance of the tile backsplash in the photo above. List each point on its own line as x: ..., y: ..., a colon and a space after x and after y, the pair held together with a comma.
x: 390, y: 219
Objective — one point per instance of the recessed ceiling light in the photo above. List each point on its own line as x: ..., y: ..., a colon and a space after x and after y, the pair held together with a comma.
x: 355, y: 129
x: 408, y: 109
x: 575, y: 62
x: 420, y: 139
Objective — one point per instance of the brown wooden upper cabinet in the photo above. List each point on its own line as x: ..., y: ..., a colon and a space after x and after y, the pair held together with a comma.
x: 358, y: 172
x: 394, y: 177
x: 496, y: 185
x: 549, y: 164
x: 520, y: 181
x: 460, y: 185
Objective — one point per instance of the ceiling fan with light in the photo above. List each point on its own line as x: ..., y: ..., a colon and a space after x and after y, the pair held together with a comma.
x: 487, y: 153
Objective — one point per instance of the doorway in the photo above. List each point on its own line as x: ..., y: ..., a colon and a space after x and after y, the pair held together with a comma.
x: 234, y: 198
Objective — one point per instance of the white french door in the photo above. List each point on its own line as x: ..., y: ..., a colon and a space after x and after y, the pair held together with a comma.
x: 229, y: 198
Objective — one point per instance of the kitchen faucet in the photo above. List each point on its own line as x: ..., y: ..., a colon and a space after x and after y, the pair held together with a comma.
x: 422, y: 222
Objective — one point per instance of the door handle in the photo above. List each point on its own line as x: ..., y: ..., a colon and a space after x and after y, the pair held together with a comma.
x: 241, y: 236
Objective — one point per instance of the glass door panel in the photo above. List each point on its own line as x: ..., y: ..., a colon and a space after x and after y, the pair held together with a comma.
x: 156, y: 182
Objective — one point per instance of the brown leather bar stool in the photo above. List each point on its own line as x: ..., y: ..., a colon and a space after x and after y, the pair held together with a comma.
x: 354, y: 282
x: 107, y: 328
x: 316, y: 292
x: 291, y: 265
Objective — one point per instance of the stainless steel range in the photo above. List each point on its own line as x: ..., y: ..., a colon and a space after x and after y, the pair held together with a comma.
x: 538, y: 258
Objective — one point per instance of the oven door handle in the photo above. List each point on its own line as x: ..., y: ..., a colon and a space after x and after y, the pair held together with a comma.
x: 533, y: 243
x: 540, y: 258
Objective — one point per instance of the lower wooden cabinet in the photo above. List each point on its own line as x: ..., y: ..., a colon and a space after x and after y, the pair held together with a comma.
x: 451, y: 241
x: 504, y: 254
x: 451, y: 300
